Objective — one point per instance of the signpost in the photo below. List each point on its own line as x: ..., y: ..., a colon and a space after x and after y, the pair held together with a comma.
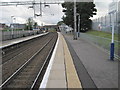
x: 112, y: 11
x: 112, y: 42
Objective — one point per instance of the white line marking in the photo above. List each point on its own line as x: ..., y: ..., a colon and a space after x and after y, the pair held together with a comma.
x: 47, y: 73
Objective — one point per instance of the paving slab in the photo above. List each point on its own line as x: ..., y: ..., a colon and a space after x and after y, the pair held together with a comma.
x: 57, y: 77
x: 62, y: 73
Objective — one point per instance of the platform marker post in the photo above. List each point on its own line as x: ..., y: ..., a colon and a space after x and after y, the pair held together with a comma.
x: 112, y: 42
x: 112, y: 11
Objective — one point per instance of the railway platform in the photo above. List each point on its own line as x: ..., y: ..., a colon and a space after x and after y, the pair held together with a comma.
x: 92, y: 62
x: 80, y: 64
x: 73, y: 64
x: 61, y: 72
x: 19, y: 40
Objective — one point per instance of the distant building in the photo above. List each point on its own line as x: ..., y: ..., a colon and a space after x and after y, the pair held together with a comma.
x: 17, y: 26
x: 66, y: 28
x: 51, y: 27
x: 3, y: 26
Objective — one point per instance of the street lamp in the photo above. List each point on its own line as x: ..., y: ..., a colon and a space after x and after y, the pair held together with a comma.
x: 47, y: 5
x: 16, y: 26
x: 78, y: 24
x: 12, y: 25
x: 75, y: 36
x: 33, y: 6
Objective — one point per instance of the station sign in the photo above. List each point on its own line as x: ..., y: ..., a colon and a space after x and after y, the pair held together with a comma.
x: 113, y: 7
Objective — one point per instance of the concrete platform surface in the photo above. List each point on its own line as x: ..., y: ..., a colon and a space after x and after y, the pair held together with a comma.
x: 18, y: 40
x: 95, y: 60
x: 61, y: 72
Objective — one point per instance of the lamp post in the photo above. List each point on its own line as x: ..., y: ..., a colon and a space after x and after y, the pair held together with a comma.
x: 78, y: 24
x: 15, y: 27
x: 75, y: 36
x: 12, y: 25
x: 34, y: 8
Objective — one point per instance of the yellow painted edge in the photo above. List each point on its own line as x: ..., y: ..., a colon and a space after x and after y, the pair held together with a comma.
x: 72, y: 77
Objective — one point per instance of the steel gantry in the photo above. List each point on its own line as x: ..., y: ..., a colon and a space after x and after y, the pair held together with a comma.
x: 26, y: 3
x: 33, y: 3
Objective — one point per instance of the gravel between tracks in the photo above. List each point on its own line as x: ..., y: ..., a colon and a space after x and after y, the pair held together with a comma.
x: 27, y: 76
x: 13, y: 51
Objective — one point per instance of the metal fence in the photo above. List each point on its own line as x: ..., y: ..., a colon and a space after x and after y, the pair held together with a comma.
x: 7, y: 35
x: 102, y: 42
x: 104, y: 23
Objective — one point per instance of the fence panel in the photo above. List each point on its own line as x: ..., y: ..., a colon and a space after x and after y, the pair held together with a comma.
x: 7, y: 35
x: 104, y: 23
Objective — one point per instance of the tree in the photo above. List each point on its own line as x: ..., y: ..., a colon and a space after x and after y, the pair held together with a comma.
x: 35, y: 25
x: 29, y: 25
x: 84, y: 9
x: 60, y: 22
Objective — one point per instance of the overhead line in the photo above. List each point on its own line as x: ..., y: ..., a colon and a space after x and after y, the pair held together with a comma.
x: 26, y: 3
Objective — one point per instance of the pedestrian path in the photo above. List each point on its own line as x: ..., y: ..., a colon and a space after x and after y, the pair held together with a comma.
x: 61, y: 72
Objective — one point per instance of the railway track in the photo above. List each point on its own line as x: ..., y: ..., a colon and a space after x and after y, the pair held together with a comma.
x: 10, y: 66
x: 27, y: 75
x: 8, y: 55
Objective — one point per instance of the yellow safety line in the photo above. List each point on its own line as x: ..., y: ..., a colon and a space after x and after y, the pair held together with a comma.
x: 72, y: 77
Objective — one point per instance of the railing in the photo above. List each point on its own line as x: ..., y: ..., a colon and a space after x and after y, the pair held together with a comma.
x: 102, y: 42
x: 6, y: 35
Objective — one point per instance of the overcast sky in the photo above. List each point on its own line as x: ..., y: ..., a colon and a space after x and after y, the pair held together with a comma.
x: 50, y: 15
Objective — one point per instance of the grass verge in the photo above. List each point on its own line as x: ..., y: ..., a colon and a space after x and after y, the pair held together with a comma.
x: 102, y: 34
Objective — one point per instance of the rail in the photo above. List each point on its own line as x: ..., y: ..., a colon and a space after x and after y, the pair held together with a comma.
x: 45, y: 62
x: 25, y: 64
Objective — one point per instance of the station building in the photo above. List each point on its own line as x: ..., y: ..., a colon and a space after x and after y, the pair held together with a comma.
x: 51, y: 27
x: 17, y: 26
x: 3, y: 26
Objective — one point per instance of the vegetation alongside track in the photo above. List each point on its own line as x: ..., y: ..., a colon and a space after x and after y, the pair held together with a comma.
x: 102, y: 34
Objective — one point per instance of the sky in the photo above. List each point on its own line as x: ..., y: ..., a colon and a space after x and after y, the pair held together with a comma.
x: 50, y: 15
x: 102, y: 7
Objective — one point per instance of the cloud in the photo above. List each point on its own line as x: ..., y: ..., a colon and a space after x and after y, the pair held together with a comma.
x: 102, y: 7
x: 50, y: 15
x: 19, y: 12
